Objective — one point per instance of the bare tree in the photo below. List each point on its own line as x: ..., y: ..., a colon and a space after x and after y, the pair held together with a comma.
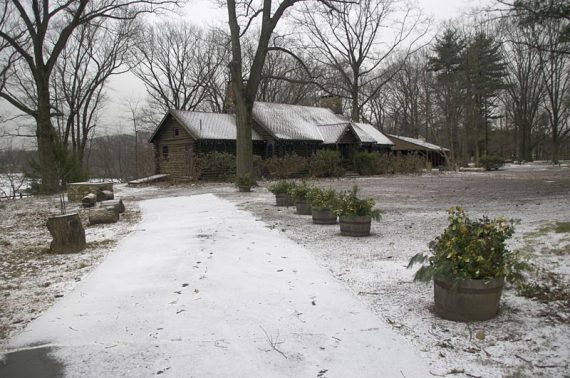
x: 177, y: 62
x: 555, y: 69
x: 242, y: 14
x: 357, y: 40
x: 37, y: 34
x: 95, y: 52
x: 524, y: 85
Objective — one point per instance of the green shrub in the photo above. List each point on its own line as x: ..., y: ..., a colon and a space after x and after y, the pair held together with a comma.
x: 348, y: 203
x: 300, y: 193
x: 245, y: 181
x: 216, y: 165
x: 491, y: 162
x: 471, y: 249
x: 287, y: 166
x: 322, y: 198
x: 326, y: 163
x: 366, y: 163
x: 385, y: 164
x: 282, y: 186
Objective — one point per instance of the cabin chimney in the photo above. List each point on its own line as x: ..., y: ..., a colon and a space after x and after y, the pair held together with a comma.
x: 332, y: 102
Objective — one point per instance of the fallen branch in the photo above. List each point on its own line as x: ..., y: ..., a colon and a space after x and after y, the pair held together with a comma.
x: 274, y: 342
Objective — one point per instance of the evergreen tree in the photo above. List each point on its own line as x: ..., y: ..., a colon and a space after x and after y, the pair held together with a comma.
x: 447, y: 63
x: 484, y: 72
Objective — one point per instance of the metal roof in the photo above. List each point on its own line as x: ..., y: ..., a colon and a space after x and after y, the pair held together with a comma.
x: 282, y: 121
x: 421, y: 143
x: 294, y: 122
x: 332, y: 133
x: 369, y: 134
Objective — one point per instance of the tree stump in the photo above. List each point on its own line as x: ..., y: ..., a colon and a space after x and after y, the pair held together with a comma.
x: 89, y: 200
x: 103, y: 215
x: 105, y: 195
x: 117, y: 202
x: 67, y: 232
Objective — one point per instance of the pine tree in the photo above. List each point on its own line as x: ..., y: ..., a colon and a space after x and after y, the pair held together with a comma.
x: 447, y: 64
x: 484, y: 72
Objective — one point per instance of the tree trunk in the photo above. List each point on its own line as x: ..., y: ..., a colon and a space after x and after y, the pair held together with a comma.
x: 47, y: 141
x: 116, y: 204
x: 67, y: 232
x: 103, y: 215
x: 244, y: 147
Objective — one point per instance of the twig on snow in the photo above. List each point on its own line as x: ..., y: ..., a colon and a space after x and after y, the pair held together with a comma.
x: 524, y: 359
x: 274, y: 342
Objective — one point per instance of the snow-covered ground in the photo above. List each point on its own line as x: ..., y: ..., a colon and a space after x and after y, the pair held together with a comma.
x: 202, y: 289
x: 530, y: 337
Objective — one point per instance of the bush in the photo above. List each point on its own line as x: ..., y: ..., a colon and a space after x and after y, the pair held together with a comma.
x: 299, y: 193
x: 366, y: 163
x: 287, y: 166
x: 471, y: 249
x: 491, y: 162
x: 322, y: 198
x: 385, y: 164
x: 216, y: 165
x: 406, y: 164
x: 282, y: 186
x: 326, y: 163
x: 349, y: 203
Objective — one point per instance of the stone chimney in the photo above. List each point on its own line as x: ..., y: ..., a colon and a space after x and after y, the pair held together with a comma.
x: 332, y: 102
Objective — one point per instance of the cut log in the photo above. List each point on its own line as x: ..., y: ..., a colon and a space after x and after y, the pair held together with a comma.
x: 89, y: 200
x: 117, y: 202
x: 67, y: 232
x: 103, y: 215
x: 105, y: 195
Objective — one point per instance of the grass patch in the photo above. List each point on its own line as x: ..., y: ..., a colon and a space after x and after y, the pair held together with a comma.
x: 562, y: 227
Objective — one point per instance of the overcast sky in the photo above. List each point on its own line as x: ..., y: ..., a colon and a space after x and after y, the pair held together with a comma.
x: 126, y: 88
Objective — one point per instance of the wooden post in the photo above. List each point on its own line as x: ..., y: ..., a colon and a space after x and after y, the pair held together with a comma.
x: 67, y: 232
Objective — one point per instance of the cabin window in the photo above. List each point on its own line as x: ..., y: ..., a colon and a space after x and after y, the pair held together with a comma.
x: 176, y: 131
x: 165, y: 152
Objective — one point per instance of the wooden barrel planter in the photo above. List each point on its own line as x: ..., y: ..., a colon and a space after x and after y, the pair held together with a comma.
x: 283, y: 199
x: 303, y: 208
x: 355, y: 225
x: 323, y: 216
x: 467, y: 300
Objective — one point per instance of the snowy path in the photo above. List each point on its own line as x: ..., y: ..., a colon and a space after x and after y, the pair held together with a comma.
x: 202, y: 289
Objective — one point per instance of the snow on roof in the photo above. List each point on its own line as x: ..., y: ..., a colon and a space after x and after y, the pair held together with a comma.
x: 202, y: 125
x: 332, y: 133
x: 295, y: 122
x: 369, y: 134
x: 420, y: 143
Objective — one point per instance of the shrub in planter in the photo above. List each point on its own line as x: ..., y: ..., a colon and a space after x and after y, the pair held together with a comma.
x: 281, y: 190
x: 468, y: 264
x: 326, y: 163
x: 322, y: 205
x: 299, y: 194
x: 245, y: 182
x: 366, y: 163
x: 491, y: 162
x: 289, y: 165
x: 355, y: 214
